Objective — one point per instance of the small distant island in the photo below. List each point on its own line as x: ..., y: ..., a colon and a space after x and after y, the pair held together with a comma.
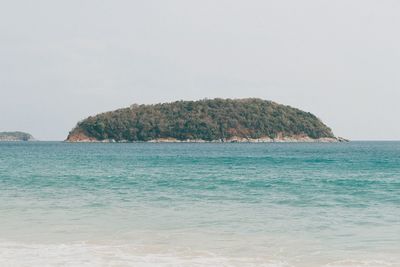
x: 15, y: 136
x: 209, y: 120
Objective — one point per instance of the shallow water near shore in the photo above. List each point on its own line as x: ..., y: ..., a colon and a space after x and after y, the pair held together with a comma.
x: 143, y: 204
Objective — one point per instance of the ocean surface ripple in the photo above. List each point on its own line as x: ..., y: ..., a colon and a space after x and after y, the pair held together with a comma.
x: 142, y: 204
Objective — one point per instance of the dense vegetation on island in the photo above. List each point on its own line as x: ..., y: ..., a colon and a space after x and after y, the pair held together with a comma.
x: 15, y: 136
x: 216, y: 119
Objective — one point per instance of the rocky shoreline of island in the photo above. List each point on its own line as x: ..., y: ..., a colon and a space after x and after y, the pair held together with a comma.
x: 280, y: 139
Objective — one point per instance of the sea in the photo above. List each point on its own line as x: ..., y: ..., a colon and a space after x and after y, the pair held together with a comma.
x: 200, y: 204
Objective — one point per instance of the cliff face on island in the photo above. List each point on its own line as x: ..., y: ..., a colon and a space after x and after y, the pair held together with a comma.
x: 15, y: 136
x: 216, y: 120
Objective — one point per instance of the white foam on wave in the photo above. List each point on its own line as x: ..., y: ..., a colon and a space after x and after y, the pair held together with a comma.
x: 367, y: 263
x: 87, y: 255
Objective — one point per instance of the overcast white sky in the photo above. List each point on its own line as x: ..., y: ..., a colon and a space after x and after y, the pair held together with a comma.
x: 61, y: 61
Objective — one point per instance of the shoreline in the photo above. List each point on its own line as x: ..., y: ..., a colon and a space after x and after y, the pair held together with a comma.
x: 295, y: 139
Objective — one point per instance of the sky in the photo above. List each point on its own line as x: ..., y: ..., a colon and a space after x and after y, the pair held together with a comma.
x: 62, y: 61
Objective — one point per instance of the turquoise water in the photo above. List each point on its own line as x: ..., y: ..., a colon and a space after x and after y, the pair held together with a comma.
x: 147, y: 204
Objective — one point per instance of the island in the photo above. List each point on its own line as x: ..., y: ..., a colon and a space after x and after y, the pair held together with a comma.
x: 15, y: 136
x: 208, y: 120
